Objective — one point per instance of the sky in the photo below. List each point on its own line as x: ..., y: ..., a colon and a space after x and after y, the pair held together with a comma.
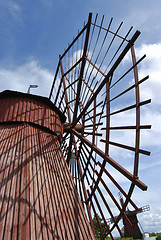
x: 34, y: 33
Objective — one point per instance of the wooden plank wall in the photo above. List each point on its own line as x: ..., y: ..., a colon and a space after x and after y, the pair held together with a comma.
x: 38, y: 199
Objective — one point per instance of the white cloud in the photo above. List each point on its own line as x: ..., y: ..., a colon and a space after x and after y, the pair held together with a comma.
x: 12, y: 7
x: 10, y: 15
x: 150, y: 89
x: 155, y: 164
x: 151, y: 66
x: 21, y: 77
x: 142, y: 17
x: 151, y: 221
x: 48, y: 3
x: 151, y: 138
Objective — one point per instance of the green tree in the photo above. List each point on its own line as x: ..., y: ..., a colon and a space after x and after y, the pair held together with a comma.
x: 158, y: 236
x: 152, y: 234
x: 97, y: 228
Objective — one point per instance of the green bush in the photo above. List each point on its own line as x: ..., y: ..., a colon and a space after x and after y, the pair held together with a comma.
x: 108, y: 238
x: 158, y: 236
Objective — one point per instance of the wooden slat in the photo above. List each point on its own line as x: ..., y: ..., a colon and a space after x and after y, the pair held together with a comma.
x: 126, y: 147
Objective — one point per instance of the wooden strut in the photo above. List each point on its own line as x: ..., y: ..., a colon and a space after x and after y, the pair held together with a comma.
x: 77, y: 132
x: 117, y: 166
x: 106, y: 79
x: 75, y: 147
x: 80, y: 80
x: 137, y: 141
x: 67, y: 126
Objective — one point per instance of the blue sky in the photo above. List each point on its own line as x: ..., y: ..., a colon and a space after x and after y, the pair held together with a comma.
x: 34, y: 33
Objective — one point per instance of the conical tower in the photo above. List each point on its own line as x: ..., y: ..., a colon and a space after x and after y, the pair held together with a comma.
x: 38, y: 197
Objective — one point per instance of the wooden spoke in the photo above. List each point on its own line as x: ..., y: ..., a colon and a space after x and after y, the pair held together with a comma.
x: 99, y: 91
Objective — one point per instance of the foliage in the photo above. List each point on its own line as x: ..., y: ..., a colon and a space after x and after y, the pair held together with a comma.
x: 157, y: 235
x: 104, y: 229
x: 105, y: 232
x: 97, y: 229
x: 122, y: 238
x: 130, y: 238
x: 152, y: 234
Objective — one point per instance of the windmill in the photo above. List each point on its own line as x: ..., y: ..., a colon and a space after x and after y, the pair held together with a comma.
x: 97, y: 87
x: 63, y: 159
x: 130, y: 222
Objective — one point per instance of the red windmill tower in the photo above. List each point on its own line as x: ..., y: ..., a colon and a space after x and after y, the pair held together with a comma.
x: 130, y: 221
x: 131, y: 224
x: 64, y: 159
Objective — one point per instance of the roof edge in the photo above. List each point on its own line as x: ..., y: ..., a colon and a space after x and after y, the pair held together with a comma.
x: 10, y: 93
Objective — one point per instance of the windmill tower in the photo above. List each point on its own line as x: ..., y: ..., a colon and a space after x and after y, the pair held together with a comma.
x: 130, y: 222
x: 131, y: 226
x: 64, y: 159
